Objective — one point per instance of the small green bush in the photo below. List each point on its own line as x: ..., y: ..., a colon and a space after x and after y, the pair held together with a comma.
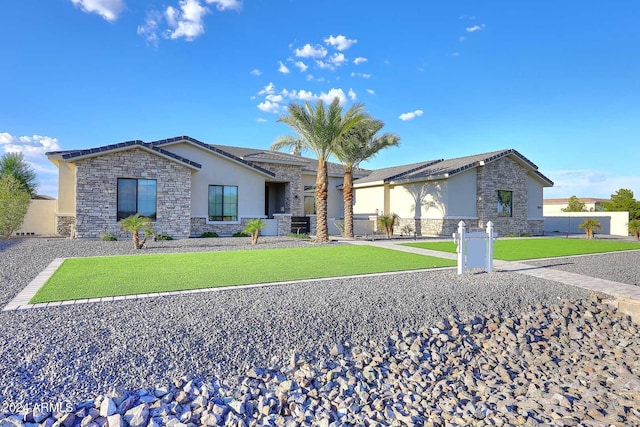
x: 163, y: 237
x: 511, y: 235
x: 240, y: 234
x: 525, y: 235
x: 209, y: 234
x: 108, y: 237
x: 298, y: 235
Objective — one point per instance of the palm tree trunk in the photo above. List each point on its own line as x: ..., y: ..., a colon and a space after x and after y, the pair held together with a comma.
x: 136, y: 239
x: 347, y: 194
x: 322, y: 232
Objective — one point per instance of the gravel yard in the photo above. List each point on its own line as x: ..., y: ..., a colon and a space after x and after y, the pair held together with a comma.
x: 623, y: 267
x: 73, y: 353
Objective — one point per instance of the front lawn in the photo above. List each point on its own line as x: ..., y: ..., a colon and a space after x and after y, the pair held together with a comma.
x: 94, y: 277
x: 519, y: 249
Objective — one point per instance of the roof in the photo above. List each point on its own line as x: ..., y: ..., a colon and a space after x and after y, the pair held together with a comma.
x: 309, y: 164
x: 580, y: 199
x: 445, y: 168
x: 214, y: 149
x: 121, y: 146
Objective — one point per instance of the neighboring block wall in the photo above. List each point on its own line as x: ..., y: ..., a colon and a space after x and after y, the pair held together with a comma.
x: 504, y: 174
x: 97, y: 185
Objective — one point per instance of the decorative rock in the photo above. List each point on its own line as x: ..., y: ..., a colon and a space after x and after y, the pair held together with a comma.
x: 108, y: 407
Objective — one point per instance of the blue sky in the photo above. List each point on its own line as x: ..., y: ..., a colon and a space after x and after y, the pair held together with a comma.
x: 557, y: 81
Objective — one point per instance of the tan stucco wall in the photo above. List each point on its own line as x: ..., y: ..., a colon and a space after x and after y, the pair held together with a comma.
x: 66, y: 188
x: 419, y: 200
x: 549, y: 208
x: 216, y: 170
x: 335, y: 201
x: 40, y: 219
x: 534, y: 199
x: 462, y: 195
x: 368, y: 199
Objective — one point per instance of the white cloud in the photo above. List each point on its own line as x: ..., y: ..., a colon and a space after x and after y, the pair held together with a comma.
x: 325, y: 65
x: 337, y: 59
x: 475, y: 28
x: 339, y: 42
x: 283, y: 68
x: 411, y: 115
x: 108, y: 9
x: 255, y: 72
x: 269, y: 107
x: 301, y: 65
x: 308, y: 51
x: 311, y: 78
x: 328, y: 97
x: 588, y: 183
x: 226, y: 4
x: 455, y: 54
x: 33, y: 149
x: 149, y: 30
x: 261, y: 120
x: 359, y: 60
x: 30, y: 146
x: 363, y: 75
x: 370, y: 91
x: 462, y: 38
x: 352, y: 94
x: 186, y: 22
x: 274, y: 98
x: 304, y: 95
x: 268, y: 89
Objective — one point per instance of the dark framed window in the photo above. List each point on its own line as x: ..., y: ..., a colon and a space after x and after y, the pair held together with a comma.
x: 223, y: 203
x: 136, y: 196
x: 505, y: 203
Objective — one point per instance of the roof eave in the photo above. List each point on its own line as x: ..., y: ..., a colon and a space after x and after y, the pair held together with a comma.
x: 72, y: 159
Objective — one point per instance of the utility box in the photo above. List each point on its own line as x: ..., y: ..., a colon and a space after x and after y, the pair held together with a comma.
x: 475, y: 247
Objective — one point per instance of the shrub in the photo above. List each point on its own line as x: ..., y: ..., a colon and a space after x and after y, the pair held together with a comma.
x: 634, y: 228
x: 407, y: 229
x: 135, y: 224
x: 162, y: 237
x: 209, y: 234
x: 108, y: 237
x: 298, y: 235
x: 589, y: 225
x: 14, y: 203
x: 253, y: 227
x: 387, y: 222
x: 240, y: 234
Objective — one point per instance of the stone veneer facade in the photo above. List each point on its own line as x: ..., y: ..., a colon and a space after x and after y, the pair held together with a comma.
x: 291, y: 175
x: 97, y: 187
x: 65, y: 225
x: 505, y: 174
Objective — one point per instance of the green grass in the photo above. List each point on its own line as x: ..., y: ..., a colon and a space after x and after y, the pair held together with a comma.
x: 94, y: 277
x: 519, y: 249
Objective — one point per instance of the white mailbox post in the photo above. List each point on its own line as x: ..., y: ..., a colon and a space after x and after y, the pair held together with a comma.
x: 475, y: 247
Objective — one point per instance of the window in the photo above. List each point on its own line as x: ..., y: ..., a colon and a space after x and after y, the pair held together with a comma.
x: 505, y: 204
x: 223, y: 203
x: 136, y: 196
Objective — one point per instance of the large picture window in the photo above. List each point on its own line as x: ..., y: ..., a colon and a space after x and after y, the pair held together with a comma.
x: 223, y: 203
x: 136, y: 196
x: 505, y: 203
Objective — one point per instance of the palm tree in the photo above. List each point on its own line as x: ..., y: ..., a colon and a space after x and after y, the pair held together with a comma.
x: 634, y: 228
x: 14, y: 164
x: 589, y: 225
x: 253, y: 227
x: 359, y: 144
x: 134, y: 224
x: 319, y: 129
x: 387, y: 222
